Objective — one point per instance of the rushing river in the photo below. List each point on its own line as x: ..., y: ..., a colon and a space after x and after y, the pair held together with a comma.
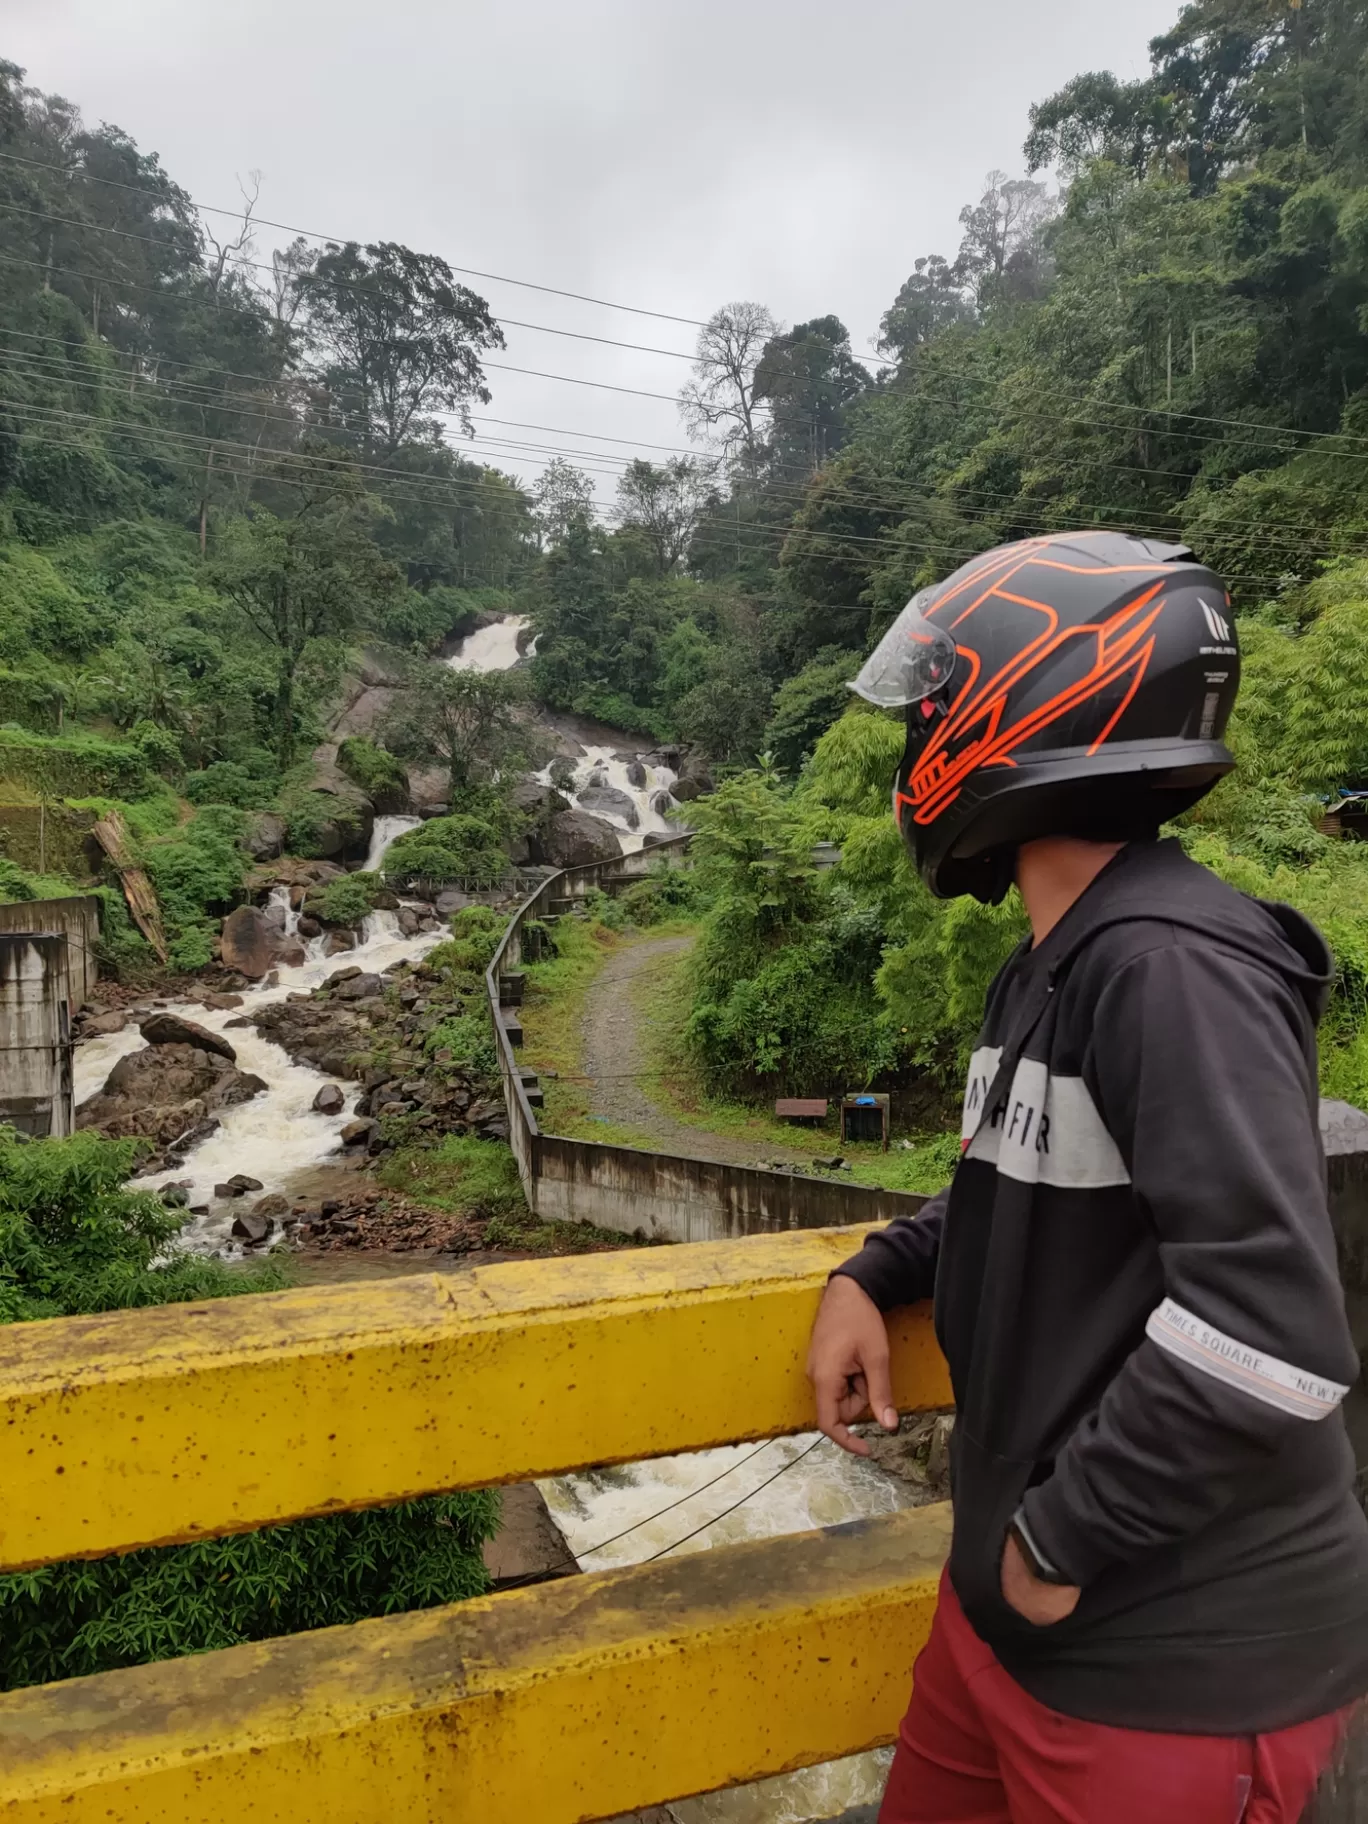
x: 624, y: 1515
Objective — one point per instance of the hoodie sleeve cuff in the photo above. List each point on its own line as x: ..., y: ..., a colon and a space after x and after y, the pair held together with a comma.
x: 1057, y: 1536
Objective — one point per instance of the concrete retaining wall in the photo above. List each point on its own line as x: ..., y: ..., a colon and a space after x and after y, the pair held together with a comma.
x: 78, y: 920
x: 660, y: 1194
x: 35, y: 1033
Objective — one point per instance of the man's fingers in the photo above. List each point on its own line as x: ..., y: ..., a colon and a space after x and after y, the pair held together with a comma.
x: 847, y: 1440
x: 879, y: 1389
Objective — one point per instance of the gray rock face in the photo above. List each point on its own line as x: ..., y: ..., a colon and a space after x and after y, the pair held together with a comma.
x: 538, y: 801
x: 103, y: 1024
x: 170, y: 1029
x: 160, y: 1094
x: 252, y: 1228
x: 329, y: 1100
x: 573, y: 838
x: 249, y: 943
x: 608, y: 800
x: 359, y: 987
x: 636, y: 774
x: 265, y: 838
x: 662, y: 803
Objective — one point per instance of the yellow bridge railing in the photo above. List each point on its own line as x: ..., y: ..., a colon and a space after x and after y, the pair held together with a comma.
x: 568, y: 1701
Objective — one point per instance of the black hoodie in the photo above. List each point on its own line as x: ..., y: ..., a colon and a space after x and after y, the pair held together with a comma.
x: 1135, y: 1289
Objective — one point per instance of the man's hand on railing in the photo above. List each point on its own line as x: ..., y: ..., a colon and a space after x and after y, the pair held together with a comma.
x: 848, y: 1364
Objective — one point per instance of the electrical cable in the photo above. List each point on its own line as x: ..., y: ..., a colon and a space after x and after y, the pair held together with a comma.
x: 575, y: 1562
x: 897, y: 498
x: 1147, y: 410
x: 313, y: 234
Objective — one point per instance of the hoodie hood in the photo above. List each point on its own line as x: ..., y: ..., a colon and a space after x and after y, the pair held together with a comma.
x: 1158, y: 880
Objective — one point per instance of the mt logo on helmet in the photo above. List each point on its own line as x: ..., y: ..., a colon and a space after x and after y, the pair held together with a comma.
x: 1077, y: 685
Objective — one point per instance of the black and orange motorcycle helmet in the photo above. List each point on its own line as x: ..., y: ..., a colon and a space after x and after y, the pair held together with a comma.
x: 1072, y: 685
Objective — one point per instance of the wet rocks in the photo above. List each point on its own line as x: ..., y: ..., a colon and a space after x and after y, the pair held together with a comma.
x: 253, y: 1228
x: 166, y: 1092
x: 636, y: 774
x: 357, y: 1133
x: 265, y: 837
x: 221, y: 1003
x: 101, y: 1025
x: 249, y: 943
x: 574, y: 838
x: 607, y: 800
x: 329, y: 1100
x: 356, y: 986
x: 337, y: 942
x: 237, y: 1186
x: 171, y: 1029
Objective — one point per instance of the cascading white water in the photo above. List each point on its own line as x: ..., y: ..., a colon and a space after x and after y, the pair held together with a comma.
x: 602, y: 767
x: 709, y: 1498
x: 387, y: 831
x: 278, y: 1134
x: 492, y: 648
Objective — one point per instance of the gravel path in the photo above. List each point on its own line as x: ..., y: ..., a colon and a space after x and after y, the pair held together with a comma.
x: 615, y: 1061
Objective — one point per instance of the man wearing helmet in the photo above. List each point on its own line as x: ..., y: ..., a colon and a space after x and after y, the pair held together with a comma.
x: 1156, y: 1604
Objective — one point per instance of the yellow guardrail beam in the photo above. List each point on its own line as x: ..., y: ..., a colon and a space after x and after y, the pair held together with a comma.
x: 146, y: 1427
x: 572, y: 1701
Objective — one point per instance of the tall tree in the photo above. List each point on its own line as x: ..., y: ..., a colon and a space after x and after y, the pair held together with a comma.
x: 398, y: 339
x: 664, y: 502
x: 465, y: 719
x: 308, y: 573
x: 720, y: 403
x: 564, y: 497
x: 1002, y: 237
x: 929, y: 301
x: 808, y: 376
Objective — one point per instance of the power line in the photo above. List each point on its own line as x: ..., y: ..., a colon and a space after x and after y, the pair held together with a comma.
x: 896, y: 495
x: 436, y: 486
x: 313, y: 234
x: 1239, y: 424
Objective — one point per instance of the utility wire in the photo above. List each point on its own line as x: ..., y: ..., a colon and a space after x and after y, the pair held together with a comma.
x: 408, y: 485
x: 967, y: 374
x: 313, y: 234
x: 897, y: 497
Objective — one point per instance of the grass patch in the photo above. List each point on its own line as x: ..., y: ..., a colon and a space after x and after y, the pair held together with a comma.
x: 465, y: 1177
x: 478, y: 1180
x: 663, y: 1002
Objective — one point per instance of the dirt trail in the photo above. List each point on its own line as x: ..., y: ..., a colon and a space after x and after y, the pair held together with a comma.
x: 615, y: 1062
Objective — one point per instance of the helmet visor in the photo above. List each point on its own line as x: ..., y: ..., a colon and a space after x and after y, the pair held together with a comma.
x: 912, y: 661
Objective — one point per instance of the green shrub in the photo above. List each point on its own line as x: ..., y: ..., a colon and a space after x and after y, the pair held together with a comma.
x: 74, y: 766
x: 73, y: 1241
x: 444, y: 852
x: 196, y: 875
x: 230, y: 782
x: 469, y: 1037
x: 378, y: 773
x: 346, y: 900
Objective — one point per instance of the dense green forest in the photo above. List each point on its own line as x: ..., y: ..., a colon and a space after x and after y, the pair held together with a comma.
x: 228, y: 471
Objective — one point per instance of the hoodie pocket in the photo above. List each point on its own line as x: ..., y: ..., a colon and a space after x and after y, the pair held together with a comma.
x: 987, y: 1492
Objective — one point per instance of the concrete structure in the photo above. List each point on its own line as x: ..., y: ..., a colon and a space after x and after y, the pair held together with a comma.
x: 78, y: 919
x: 577, y: 1699
x: 627, y: 1188
x: 35, y: 1033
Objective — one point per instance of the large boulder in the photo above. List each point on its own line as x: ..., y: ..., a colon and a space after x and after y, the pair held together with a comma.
x: 694, y: 779
x: 249, y: 943
x: 162, y: 1092
x: 574, y: 838
x: 265, y: 838
x: 537, y: 801
x: 636, y: 773
x: 171, y: 1029
x: 608, y: 801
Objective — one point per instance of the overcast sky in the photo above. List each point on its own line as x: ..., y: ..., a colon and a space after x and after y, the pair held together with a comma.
x: 671, y: 154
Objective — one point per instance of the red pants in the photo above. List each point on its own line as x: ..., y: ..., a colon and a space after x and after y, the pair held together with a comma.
x: 976, y: 1749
